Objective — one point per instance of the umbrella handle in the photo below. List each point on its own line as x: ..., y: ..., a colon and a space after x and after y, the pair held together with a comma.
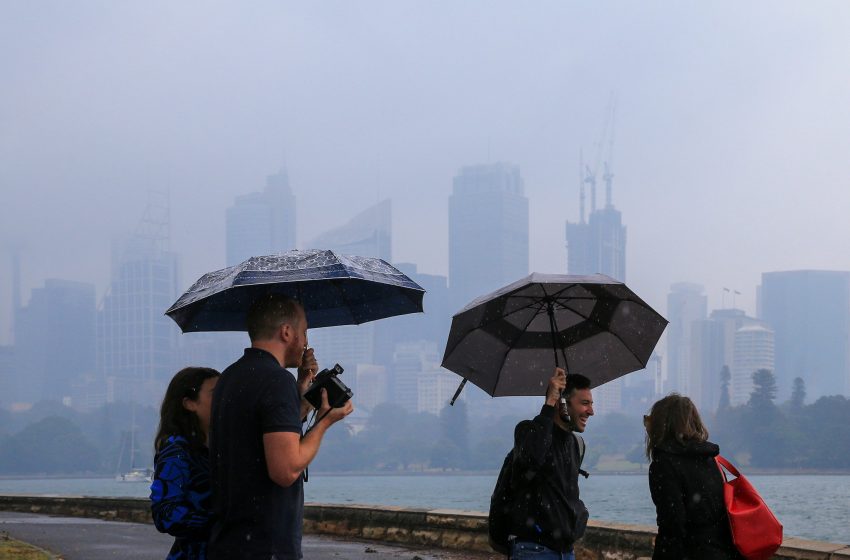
x: 457, y: 393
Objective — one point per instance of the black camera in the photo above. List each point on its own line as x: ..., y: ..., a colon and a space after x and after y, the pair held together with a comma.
x: 338, y: 393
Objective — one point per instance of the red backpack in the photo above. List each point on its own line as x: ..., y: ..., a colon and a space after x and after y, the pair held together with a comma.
x: 756, y: 532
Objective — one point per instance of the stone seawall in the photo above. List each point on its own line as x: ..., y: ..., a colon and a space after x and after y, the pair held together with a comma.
x: 461, y: 530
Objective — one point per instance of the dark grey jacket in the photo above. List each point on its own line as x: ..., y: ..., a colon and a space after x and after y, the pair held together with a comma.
x: 687, y: 488
x: 547, y: 508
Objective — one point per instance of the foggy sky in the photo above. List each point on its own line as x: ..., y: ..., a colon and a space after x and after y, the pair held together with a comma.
x: 730, y: 157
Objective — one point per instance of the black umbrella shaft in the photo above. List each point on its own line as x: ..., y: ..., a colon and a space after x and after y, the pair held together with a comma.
x: 553, y: 328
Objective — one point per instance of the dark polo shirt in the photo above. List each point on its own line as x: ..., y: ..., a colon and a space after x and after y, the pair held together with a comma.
x: 255, y: 517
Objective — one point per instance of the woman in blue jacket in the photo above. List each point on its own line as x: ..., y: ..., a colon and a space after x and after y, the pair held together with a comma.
x: 180, y: 492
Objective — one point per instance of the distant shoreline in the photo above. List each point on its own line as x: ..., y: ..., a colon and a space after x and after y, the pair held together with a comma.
x: 749, y: 471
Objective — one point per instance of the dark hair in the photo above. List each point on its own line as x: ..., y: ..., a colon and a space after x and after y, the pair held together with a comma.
x: 269, y: 313
x: 673, y: 418
x: 576, y: 382
x: 174, y: 418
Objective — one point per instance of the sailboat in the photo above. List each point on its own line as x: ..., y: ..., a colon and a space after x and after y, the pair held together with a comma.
x: 135, y: 474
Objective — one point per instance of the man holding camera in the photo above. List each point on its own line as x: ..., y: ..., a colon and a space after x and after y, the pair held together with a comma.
x: 257, y: 453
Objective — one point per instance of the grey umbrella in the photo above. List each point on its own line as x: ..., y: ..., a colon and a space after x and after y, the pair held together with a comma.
x: 334, y: 290
x: 508, y: 342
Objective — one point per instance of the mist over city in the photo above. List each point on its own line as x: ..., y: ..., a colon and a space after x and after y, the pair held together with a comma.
x: 696, y: 152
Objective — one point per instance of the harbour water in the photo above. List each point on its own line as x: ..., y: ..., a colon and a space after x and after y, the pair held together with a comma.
x: 815, y: 507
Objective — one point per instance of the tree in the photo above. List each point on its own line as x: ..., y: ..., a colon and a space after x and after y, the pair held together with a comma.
x: 765, y: 425
x: 616, y: 433
x: 828, y: 445
x: 725, y: 378
x: 764, y: 388
x: 454, y: 427
x: 798, y: 393
x: 53, y: 445
x: 446, y: 455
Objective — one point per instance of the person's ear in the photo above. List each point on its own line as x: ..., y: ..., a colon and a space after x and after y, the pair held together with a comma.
x: 190, y: 405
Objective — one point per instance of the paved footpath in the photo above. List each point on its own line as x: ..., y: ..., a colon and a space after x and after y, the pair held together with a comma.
x: 74, y: 538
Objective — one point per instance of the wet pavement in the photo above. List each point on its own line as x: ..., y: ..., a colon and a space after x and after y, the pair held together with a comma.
x: 73, y: 538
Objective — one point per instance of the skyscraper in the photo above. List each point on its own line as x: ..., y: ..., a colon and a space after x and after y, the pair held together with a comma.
x: 488, y: 231
x: 754, y: 350
x: 8, y: 377
x: 598, y: 245
x: 728, y: 337
x: 136, y: 342
x: 809, y: 310
x: 55, y: 339
x: 368, y: 234
x: 686, y: 303
x: 261, y: 223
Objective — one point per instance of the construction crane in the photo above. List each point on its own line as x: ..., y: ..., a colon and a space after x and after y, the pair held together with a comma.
x: 589, y: 174
x: 608, y: 175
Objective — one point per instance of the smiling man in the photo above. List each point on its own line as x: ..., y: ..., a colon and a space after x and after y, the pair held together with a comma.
x: 548, y: 515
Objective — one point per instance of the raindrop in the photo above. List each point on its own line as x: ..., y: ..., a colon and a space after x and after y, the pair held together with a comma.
x: 697, y: 497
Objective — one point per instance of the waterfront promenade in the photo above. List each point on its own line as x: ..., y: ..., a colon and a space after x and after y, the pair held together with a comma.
x: 88, y: 528
x: 73, y: 538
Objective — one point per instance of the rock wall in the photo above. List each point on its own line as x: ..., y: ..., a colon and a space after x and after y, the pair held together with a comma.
x: 462, y: 530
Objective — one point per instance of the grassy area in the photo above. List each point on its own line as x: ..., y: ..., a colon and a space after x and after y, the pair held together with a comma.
x: 16, y: 550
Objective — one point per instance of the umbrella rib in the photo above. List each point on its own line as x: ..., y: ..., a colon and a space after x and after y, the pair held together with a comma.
x: 617, y: 336
x: 534, y: 302
x: 505, y: 355
x: 632, y: 352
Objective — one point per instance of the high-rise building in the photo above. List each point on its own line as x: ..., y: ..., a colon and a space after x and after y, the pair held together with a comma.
x: 686, y: 303
x: 598, y: 245
x: 642, y: 388
x: 8, y: 377
x: 809, y: 311
x: 754, y: 350
x: 410, y: 359
x: 55, y: 340
x: 368, y: 234
x: 136, y: 342
x: 713, y: 345
x: 435, y: 389
x: 488, y: 231
x: 432, y: 325
x: 261, y: 223
x: 372, y: 386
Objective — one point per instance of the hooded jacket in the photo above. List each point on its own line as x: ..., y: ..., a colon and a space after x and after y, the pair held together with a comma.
x: 546, y: 504
x: 687, y: 489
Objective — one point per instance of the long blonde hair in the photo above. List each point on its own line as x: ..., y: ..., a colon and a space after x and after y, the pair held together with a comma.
x: 673, y: 418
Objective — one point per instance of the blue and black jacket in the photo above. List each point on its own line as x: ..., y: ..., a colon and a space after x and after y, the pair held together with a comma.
x: 181, y: 498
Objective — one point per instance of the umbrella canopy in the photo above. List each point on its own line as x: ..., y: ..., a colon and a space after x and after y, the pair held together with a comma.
x: 509, y: 341
x: 333, y: 289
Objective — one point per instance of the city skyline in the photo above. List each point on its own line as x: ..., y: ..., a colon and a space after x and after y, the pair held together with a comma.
x: 698, y: 343
x: 729, y: 158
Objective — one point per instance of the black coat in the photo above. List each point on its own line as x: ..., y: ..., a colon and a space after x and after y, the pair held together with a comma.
x: 687, y: 489
x: 546, y: 504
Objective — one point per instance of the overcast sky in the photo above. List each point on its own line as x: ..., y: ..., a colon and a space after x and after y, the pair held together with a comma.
x: 730, y: 153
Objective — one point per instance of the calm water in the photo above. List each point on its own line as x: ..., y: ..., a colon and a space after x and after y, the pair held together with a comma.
x: 813, y: 507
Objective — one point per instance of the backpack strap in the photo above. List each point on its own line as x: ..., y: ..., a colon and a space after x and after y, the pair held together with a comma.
x: 581, y: 449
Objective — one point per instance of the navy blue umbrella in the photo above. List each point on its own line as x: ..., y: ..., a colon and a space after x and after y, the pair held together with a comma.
x: 334, y: 290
